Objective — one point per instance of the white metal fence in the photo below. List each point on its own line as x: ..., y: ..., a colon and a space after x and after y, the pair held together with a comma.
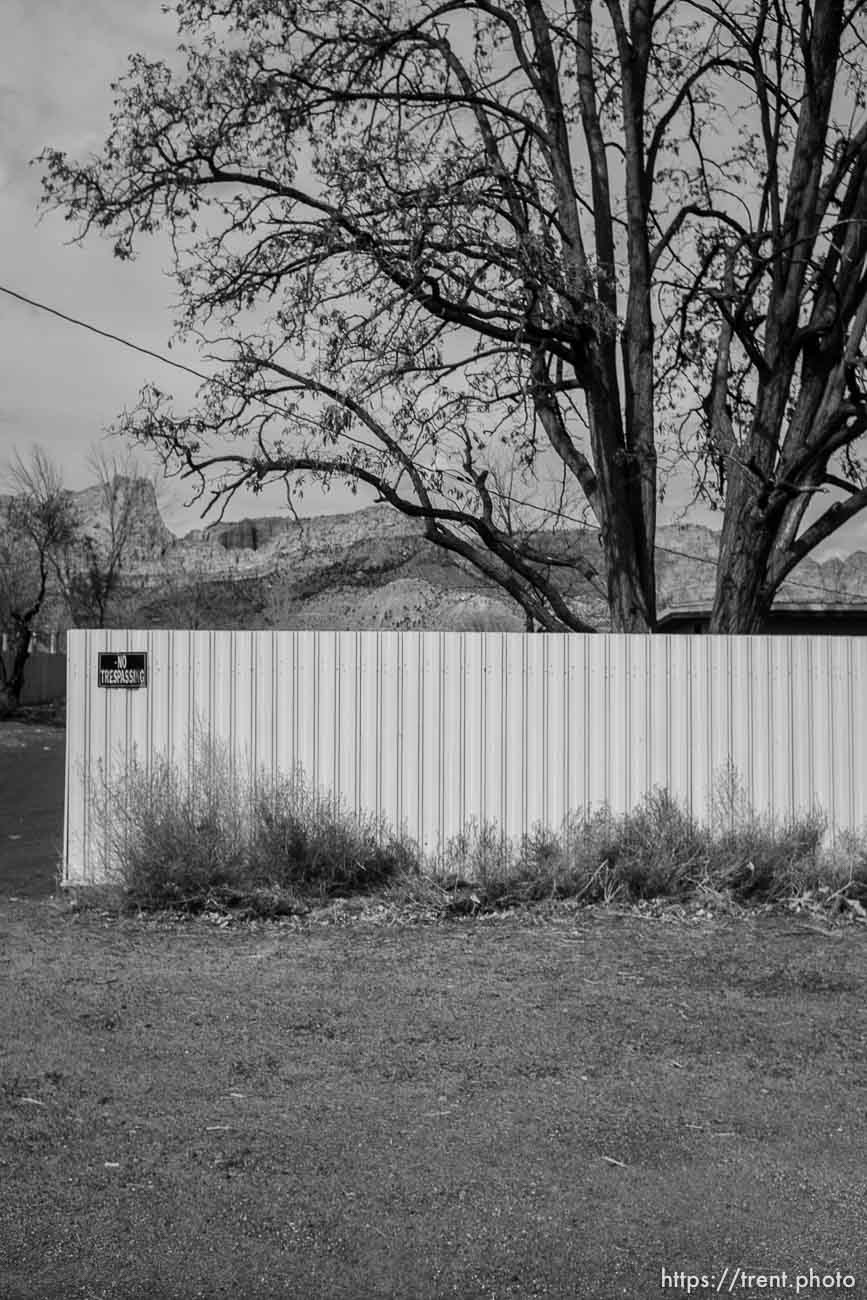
x: 433, y: 729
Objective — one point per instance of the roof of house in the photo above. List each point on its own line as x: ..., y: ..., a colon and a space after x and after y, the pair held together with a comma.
x: 848, y: 607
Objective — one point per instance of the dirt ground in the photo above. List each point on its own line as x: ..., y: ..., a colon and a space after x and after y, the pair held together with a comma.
x: 584, y: 1104
x: 492, y: 1108
x: 31, y: 808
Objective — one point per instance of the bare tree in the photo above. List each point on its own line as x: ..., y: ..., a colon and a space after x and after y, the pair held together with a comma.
x: 430, y: 240
x: 773, y: 306
x: 89, y: 565
x: 35, y: 524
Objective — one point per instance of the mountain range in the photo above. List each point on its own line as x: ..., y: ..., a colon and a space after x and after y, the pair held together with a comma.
x: 372, y: 568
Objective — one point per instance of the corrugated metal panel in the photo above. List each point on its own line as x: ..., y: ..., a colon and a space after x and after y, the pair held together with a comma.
x: 431, y: 730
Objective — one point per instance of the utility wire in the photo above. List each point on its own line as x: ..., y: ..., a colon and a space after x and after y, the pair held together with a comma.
x: 841, y: 597
x: 115, y: 338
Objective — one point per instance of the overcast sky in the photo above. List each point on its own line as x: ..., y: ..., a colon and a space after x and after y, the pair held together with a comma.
x: 62, y: 386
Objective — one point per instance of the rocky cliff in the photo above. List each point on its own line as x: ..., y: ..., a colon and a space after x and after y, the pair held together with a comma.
x: 368, y: 569
x: 128, y: 505
x: 374, y: 568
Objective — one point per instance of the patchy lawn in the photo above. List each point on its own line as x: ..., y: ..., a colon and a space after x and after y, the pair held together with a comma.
x: 515, y: 1107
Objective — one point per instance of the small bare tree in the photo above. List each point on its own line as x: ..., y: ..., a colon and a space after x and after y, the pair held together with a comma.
x: 36, y: 525
x: 88, y: 566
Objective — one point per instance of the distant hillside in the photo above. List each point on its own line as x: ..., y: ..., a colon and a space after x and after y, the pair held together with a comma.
x: 371, y: 569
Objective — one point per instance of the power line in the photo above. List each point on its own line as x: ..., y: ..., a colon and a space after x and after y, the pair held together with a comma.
x: 227, y: 384
x: 115, y: 338
x: 844, y: 598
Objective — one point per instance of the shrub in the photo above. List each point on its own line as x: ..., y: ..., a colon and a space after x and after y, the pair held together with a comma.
x: 658, y: 850
x: 173, y: 843
x: 200, y: 838
x: 304, y: 841
x: 764, y: 861
x: 757, y: 858
x: 843, y: 872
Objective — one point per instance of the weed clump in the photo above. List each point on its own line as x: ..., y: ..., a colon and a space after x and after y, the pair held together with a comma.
x: 201, y: 838
x: 304, y: 841
x: 656, y: 851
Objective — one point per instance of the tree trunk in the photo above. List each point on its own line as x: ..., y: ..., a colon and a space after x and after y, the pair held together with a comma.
x: 12, y: 683
x: 622, y: 504
x: 743, y: 598
x: 630, y: 609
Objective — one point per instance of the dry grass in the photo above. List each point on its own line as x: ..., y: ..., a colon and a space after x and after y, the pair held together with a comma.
x: 507, y: 1107
x: 657, y: 851
x: 200, y: 840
